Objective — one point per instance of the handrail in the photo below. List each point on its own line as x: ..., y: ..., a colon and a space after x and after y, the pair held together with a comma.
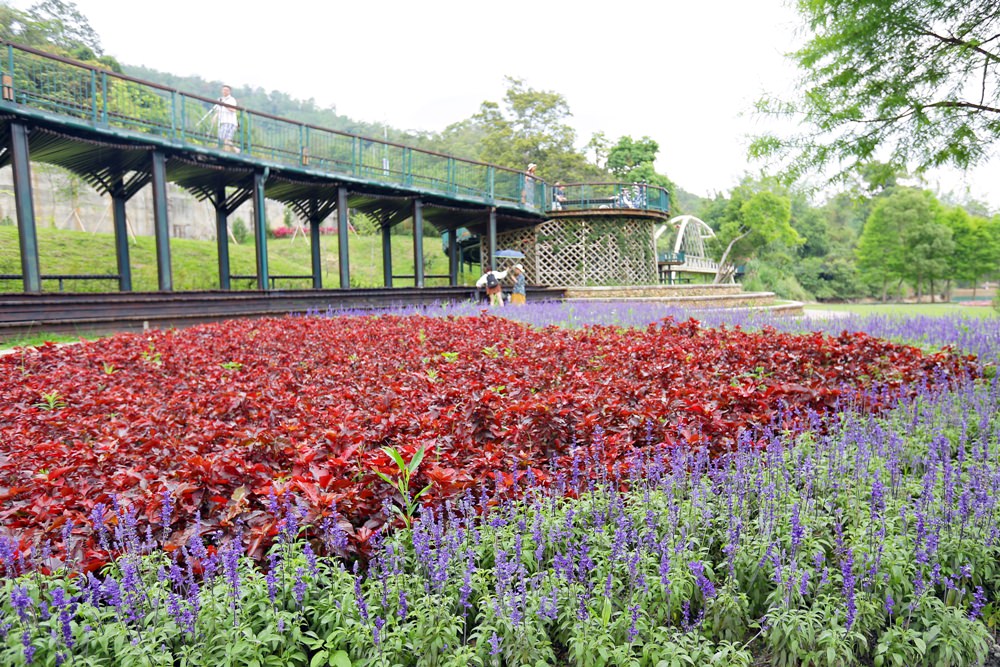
x: 99, y: 97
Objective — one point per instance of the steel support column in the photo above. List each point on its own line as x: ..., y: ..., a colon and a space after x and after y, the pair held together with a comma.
x: 418, y: 243
x: 27, y: 233
x: 222, y: 237
x: 260, y: 228
x: 342, y: 250
x: 118, y: 200
x: 387, y: 255
x: 317, y: 258
x: 453, y: 260
x: 161, y: 223
x: 491, y: 240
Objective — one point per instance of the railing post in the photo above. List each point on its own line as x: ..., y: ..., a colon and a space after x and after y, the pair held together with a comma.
x: 173, y: 114
x: 245, y: 129
x: 93, y: 94
x: 303, y: 149
x: 408, y: 166
x: 452, y: 184
x: 104, y: 97
x: 183, y: 136
x: 491, y: 177
x: 354, y: 156
x: 10, y: 71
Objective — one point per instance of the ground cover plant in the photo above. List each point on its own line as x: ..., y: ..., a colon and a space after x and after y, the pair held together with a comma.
x: 873, y: 542
x: 219, y: 417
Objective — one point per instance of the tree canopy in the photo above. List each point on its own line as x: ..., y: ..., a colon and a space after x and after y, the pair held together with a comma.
x: 752, y: 220
x: 915, y: 83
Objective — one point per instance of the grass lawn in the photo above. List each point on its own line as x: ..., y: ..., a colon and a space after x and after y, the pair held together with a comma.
x: 907, y: 309
x: 195, y: 263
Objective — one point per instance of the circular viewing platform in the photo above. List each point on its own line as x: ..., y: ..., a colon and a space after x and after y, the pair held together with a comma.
x: 608, y: 199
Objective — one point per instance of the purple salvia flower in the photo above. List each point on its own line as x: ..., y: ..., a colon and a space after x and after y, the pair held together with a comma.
x: 21, y: 601
x: 271, y: 578
x: 847, y: 570
x: 633, y: 629
x: 797, y: 530
x: 166, y: 512
x: 706, y: 586
x: 403, y: 606
x: 359, y: 595
x: 978, y: 602
x: 311, y: 561
x: 97, y: 520
x: 299, y: 589
x: 29, y: 650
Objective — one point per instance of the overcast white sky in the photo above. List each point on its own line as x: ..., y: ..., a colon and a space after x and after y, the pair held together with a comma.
x: 684, y: 73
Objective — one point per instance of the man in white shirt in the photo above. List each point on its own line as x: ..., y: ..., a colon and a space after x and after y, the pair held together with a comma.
x: 225, y: 116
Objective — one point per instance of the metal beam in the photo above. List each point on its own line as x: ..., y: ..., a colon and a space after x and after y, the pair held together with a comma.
x: 222, y: 237
x: 342, y: 250
x: 27, y: 233
x: 386, y: 255
x: 453, y: 261
x: 315, y: 221
x: 260, y: 227
x: 491, y: 240
x: 118, y: 200
x: 418, y: 243
x: 161, y: 223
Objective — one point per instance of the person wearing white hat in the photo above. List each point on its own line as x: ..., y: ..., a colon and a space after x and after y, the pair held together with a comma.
x: 517, y: 295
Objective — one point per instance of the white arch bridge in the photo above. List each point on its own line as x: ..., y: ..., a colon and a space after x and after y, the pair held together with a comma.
x: 689, y: 253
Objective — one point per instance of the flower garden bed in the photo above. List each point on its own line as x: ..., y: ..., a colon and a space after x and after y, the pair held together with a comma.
x: 600, y: 496
x: 220, y: 416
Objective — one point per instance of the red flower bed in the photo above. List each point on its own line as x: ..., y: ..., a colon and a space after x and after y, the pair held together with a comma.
x: 220, y: 415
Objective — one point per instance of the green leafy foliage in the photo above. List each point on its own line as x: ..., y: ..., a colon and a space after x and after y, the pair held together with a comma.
x: 911, y: 83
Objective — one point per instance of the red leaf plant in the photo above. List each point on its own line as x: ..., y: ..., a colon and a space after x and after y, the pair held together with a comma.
x: 221, y: 416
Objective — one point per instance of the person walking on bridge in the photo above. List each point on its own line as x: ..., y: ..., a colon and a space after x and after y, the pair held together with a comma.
x: 225, y: 116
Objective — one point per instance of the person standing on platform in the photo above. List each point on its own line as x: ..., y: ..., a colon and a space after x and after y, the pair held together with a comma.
x: 225, y: 117
x: 518, y: 296
x: 528, y: 195
x: 491, y: 281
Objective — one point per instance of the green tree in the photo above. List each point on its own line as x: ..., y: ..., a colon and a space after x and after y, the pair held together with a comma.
x: 911, y: 82
x: 628, y: 154
x: 633, y: 161
x: 928, y: 251
x: 976, y: 255
x: 903, y: 240
x: 762, y: 218
x: 529, y: 127
x: 61, y: 22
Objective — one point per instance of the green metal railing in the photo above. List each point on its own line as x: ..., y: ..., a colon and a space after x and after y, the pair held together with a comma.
x: 590, y: 196
x: 102, y: 99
